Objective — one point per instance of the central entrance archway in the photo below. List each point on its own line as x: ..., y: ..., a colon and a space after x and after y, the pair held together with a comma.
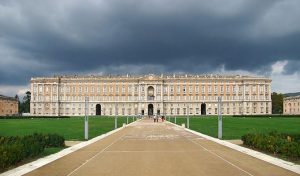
x: 150, y: 109
x: 98, y: 109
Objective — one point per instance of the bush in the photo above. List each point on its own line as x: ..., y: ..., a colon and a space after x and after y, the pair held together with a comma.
x: 54, y: 140
x: 276, y: 143
x: 16, y: 149
x: 267, y: 116
x: 34, y: 117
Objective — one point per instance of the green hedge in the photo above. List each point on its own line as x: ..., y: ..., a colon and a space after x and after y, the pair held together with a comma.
x: 275, y: 143
x: 267, y: 116
x: 15, y: 149
x: 33, y: 117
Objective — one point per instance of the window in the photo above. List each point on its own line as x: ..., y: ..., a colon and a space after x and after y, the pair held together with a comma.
x: 123, y: 89
x: 40, y: 89
x: 247, y: 88
x: 117, y: 88
x: 191, y: 89
x: 216, y: 89
x: 171, y: 89
x: 165, y: 89
x: 184, y: 89
x: 129, y: 88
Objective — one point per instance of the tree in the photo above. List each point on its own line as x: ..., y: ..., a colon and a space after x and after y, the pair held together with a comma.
x: 277, y: 103
x: 19, y: 104
x: 26, y: 102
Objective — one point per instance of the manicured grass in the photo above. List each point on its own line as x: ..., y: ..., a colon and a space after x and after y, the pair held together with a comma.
x: 71, y: 128
x: 235, y: 127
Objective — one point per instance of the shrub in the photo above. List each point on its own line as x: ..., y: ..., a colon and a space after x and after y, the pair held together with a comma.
x: 54, y: 140
x: 15, y: 149
x: 267, y: 116
x: 34, y: 117
x: 273, y: 142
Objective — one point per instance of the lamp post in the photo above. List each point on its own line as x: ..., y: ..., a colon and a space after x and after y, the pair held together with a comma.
x: 219, y: 118
x: 116, y: 113
x: 86, y: 119
x: 188, y: 116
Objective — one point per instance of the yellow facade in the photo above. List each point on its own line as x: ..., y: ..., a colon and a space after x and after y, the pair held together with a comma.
x: 150, y: 95
x: 8, y: 106
x: 291, y: 105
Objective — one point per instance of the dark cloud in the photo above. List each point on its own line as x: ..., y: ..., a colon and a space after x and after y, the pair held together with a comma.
x: 52, y: 37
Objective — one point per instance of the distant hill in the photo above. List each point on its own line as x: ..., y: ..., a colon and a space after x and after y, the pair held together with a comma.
x: 291, y: 94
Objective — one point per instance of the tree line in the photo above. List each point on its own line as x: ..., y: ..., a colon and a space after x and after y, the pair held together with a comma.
x: 277, y: 103
x: 24, y: 104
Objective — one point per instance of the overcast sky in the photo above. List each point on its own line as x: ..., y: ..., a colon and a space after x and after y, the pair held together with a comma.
x: 50, y: 37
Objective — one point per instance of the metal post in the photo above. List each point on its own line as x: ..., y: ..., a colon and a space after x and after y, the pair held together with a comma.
x: 86, y: 120
x: 219, y: 118
x: 116, y: 120
x: 175, y: 120
x: 127, y: 120
x: 188, y: 117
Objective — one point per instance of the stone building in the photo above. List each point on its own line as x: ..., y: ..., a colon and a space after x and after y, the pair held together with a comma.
x: 150, y: 95
x: 291, y: 105
x: 8, y: 106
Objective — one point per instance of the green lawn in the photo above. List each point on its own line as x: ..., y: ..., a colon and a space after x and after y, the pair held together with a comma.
x: 71, y: 128
x: 234, y: 128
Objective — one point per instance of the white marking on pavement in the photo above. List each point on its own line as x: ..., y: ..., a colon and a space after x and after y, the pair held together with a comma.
x: 100, y: 152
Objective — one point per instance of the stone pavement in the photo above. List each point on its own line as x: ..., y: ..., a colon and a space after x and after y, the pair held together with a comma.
x: 148, y: 148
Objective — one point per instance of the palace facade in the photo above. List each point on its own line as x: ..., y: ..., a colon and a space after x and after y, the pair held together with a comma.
x: 150, y: 95
x: 8, y: 106
x: 291, y: 105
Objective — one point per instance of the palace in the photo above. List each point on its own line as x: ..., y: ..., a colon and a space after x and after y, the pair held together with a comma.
x: 291, y: 105
x: 150, y: 95
x: 8, y: 106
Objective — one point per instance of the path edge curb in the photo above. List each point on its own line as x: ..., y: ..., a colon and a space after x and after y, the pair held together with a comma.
x: 26, y: 168
x: 259, y: 155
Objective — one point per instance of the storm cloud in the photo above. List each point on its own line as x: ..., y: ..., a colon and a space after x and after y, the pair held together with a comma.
x: 40, y: 38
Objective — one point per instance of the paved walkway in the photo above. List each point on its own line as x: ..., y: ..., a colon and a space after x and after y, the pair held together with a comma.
x: 158, y: 149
